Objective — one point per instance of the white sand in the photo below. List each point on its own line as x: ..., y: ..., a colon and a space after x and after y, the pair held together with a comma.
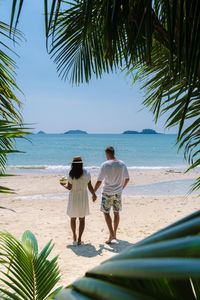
x: 46, y: 218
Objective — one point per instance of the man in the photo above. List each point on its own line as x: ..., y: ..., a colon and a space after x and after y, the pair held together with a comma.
x: 115, y: 177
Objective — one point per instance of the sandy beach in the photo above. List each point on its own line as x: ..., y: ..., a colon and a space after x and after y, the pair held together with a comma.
x: 37, y: 206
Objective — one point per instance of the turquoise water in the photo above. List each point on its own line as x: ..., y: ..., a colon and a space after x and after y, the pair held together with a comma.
x: 53, y: 152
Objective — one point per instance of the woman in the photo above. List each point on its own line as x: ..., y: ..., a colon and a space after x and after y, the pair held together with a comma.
x: 78, y: 205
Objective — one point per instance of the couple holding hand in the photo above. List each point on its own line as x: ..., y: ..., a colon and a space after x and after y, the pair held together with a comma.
x: 114, y: 175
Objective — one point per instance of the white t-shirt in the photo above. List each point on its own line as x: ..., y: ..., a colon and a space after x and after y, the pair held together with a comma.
x: 113, y: 173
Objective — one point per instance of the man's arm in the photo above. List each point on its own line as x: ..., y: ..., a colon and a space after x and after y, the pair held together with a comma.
x: 97, y: 185
x: 99, y: 178
x: 90, y: 187
x: 126, y: 176
x: 125, y: 183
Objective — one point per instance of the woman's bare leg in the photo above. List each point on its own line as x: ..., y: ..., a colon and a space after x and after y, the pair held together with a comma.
x: 81, y: 229
x: 73, y: 227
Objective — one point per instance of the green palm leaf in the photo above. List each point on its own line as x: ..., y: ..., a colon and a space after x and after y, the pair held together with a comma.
x: 11, y: 126
x: 105, y: 290
x: 30, y: 275
x: 9, y: 103
x: 70, y: 294
x: 9, y: 132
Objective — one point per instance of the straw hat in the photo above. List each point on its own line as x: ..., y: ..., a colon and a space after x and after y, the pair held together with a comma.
x: 77, y: 160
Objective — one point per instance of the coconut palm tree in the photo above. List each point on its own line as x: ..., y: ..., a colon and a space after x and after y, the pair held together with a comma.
x: 10, y: 118
x: 159, y: 39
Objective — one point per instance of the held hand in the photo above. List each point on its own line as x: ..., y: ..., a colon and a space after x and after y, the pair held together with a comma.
x: 94, y: 197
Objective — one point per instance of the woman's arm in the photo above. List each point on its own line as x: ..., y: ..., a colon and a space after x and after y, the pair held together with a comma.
x: 68, y: 186
x: 90, y: 188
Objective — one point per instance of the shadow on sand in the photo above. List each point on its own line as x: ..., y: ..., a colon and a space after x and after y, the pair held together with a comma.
x: 89, y: 250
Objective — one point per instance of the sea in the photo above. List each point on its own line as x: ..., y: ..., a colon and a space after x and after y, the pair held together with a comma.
x: 52, y: 153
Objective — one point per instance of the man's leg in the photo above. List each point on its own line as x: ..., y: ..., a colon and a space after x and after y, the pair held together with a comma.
x: 110, y: 228
x: 116, y: 223
x: 81, y: 229
x: 117, y: 206
x: 73, y: 227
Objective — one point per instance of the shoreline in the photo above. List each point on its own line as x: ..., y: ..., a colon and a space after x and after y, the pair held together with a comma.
x: 63, y: 169
x: 149, y: 183
x: 166, y: 188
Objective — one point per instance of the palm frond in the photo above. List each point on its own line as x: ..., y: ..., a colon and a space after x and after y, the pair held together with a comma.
x: 9, y: 103
x: 169, y: 94
x: 11, y: 126
x: 92, y: 37
x: 55, y: 7
x: 9, y: 132
x: 14, y: 7
x: 28, y: 274
x: 77, y: 45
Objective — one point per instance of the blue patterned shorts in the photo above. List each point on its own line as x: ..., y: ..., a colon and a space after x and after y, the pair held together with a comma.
x: 111, y: 200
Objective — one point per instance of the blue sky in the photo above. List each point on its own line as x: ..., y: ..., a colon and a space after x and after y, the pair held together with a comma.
x: 107, y: 105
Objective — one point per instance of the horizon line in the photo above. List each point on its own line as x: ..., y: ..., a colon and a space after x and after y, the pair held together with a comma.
x: 103, y: 133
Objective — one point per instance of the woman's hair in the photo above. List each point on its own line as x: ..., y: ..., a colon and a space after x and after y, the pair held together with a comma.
x: 76, y: 170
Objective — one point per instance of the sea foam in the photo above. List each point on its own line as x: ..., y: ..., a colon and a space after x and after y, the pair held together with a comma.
x: 64, y: 168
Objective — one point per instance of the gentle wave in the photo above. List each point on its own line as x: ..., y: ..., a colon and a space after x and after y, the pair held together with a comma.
x: 46, y: 167
x: 157, y: 167
x: 27, y: 167
x: 63, y: 168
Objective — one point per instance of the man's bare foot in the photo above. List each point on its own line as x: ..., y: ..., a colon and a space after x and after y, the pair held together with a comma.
x: 80, y: 243
x: 111, y: 238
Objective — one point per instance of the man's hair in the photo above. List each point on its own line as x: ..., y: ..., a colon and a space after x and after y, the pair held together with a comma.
x: 110, y: 150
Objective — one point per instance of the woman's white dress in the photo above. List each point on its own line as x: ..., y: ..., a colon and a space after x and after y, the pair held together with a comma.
x: 78, y: 204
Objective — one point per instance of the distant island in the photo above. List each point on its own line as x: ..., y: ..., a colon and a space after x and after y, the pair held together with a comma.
x: 41, y: 132
x: 130, y: 132
x: 75, y: 132
x: 144, y: 131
